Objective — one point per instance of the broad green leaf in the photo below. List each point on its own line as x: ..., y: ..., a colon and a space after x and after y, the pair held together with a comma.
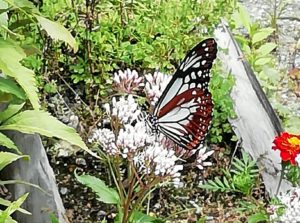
x: 57, y: 32
x: 7, y: 158
x: 10, y: 111
x: 262, y: 34
x: 10, y: 56
x: 8, y: 203
x: 33, y: 121
x: 262, y: 61
x: 265, y: 49
x: 9, y: 86
x: 8, y: 143
x: 104, y: 193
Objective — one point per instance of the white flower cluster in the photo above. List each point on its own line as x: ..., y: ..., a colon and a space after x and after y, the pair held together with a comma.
x: 127, y: 81
x: 134, y: 142
x: 291, y: 201
x: 106, y: 138
x: 155, y: 85
x: 125, y: 109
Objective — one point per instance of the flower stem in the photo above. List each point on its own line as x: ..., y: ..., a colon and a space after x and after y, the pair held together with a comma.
x: 281, y: 177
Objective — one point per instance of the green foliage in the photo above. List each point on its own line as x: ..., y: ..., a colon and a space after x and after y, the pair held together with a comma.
x: 241, y: 177
x: 110, y: 196
x: 220, y: 86
x: 5, y: 216
x: 256, y: 211
x: 7, y: 158
x: 104, y: 193
x: 138, y: 34
x: 32, y: 121
x: 257, y: 49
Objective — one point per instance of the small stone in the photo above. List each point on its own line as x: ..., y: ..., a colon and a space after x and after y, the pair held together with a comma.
x: 81, y: 161
x: 63, y: 190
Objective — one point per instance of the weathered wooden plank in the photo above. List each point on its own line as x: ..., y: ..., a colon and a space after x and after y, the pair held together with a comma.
x: 36, y: 171
x: 256, y: 124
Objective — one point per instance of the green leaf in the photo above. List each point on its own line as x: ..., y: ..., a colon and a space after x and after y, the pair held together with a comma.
x: 23, y: 5
x: 242, y: 18
x: 262, y: 61
x: 10, y: 56
x: 8, y: 203
x: 7, y: 158
x: 8, y: 143
x: 104, y: 193
x: 262, y: 34
x: 10, y: 86
x: 10, y: 111
x: 139, y: 217
x: 265, y: 49
x: 32, y: 121
x: 258, y: 217
x: 13, y: 207
x: 3, y: 15
x: 57, y: 32
x: 53, y: 218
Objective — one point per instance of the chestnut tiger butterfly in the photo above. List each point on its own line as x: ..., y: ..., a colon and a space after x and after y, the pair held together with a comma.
x: 184, y: 111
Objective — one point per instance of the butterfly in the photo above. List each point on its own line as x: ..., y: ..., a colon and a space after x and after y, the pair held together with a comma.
x: 184, y: 111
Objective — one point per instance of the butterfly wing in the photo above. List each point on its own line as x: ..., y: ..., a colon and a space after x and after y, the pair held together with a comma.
x: 184, y: 111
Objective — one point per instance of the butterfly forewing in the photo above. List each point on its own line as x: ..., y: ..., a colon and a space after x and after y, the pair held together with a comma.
x: 184, y: 111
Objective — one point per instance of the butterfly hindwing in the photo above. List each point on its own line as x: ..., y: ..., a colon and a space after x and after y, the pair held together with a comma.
x: 184, y: 111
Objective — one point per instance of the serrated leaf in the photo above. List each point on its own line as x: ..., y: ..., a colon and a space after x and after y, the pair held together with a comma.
x: 7, y: 158
x: 262, y: 34
x: 10, y: 86
x: 32, y: 121
x: 104, y: 193
x: 10, y: 111
x: 265, y: 49
x: 57, y: 32
x: 10, y: 56
x: 8, y: 143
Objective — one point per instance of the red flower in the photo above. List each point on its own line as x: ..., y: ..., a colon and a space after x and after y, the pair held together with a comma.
x: 289, y: 146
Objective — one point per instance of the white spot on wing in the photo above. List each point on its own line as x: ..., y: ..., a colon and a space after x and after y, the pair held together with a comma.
x: 203, y: 62
x: 187, y: 79
x: 197, y: 65
x: 193, y: 75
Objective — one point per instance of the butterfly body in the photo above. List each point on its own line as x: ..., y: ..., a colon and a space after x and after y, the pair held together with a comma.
x: 184, y: 111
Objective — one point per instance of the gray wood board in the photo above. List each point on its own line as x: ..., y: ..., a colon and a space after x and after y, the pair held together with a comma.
x: 36, y: 171
x: 256, y: 123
